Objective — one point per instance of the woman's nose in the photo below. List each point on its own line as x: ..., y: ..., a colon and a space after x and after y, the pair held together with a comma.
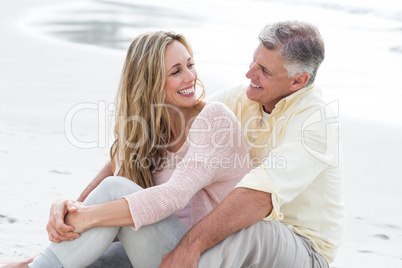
x: 189, y: 76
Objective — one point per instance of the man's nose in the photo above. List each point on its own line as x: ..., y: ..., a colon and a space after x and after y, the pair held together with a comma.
x: 251, y: 74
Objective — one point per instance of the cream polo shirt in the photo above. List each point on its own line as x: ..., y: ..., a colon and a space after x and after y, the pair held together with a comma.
x: 296, y: 157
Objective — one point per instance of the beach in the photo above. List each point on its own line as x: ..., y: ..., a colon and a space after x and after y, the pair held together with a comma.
x: 57, y: 89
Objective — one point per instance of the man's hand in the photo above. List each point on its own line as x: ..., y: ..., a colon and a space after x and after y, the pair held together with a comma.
x: 240, y: 209
x: 56, y: 228
x: 180, y: 258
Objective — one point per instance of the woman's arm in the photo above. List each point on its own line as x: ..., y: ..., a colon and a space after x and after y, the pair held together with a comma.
x: 197, y: 170
x: 113, y: 213
x: 211, y: 163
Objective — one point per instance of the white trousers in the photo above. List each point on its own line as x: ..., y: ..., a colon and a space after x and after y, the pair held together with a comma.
x: 144, y: 247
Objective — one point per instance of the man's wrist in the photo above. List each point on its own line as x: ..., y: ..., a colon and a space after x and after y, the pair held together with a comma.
x: 191, y: 245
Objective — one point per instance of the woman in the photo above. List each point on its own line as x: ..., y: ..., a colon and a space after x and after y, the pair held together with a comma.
x: 173, y: 154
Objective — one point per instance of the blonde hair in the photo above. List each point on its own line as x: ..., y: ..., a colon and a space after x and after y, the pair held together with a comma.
x: 142, y: 128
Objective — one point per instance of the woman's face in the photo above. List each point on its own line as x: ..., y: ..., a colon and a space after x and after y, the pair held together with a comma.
x: 180, y: 76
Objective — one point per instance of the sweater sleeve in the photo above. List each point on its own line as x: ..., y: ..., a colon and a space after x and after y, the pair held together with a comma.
x: 216, y: 153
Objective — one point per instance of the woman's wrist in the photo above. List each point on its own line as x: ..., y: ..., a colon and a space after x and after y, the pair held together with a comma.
x: 109, y: 214
x: 91, y: 216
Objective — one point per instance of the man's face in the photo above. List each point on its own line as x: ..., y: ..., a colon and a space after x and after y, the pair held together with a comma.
x: 269, y: 81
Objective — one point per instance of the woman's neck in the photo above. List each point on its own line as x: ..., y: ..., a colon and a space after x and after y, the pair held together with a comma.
x: 181, y: 120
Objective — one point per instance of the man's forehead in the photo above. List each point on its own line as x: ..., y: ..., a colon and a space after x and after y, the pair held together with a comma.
x: 262, y: 54
x: 267, y: 58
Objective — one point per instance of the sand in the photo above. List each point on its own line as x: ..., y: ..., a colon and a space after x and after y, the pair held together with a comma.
x: 43, y: 82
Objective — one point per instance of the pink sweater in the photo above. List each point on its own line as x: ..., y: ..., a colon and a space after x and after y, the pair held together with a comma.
x: 196, y: 178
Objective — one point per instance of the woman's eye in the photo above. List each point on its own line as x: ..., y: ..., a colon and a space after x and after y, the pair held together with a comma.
x: 176, y: 72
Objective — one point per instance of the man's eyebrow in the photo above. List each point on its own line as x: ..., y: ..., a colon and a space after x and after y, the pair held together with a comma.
x: 264, y: 69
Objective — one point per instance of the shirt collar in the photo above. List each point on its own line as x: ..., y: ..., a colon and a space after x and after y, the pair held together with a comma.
x: 283, y: 103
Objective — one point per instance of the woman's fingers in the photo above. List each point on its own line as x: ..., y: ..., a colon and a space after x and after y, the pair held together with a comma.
x: 54, y: 238
x: 71, y: 206
x: 53, y: 235
x: 57, y: 237
x: 57, y: 229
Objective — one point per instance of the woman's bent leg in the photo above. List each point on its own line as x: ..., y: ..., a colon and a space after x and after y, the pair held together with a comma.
x: 114, y: 256
x: 146, y: 247
x: 92, y: 243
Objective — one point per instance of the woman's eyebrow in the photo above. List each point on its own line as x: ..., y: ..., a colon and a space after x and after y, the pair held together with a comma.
x: 178, y: 64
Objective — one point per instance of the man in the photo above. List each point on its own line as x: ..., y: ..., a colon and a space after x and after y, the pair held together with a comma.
x: 279, y: 215
x: 288, y: 211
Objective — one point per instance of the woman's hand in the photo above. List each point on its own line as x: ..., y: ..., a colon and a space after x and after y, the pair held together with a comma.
x: 78, y: 218
x: 56, y: 228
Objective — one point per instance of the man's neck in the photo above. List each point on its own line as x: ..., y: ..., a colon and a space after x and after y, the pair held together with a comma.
x: 265, y: 110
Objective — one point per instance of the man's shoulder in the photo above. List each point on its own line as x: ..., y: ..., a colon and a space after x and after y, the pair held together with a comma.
x: 306, y: 102
x: 228, y: 96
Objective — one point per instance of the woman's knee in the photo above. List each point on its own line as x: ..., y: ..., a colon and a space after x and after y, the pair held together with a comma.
x: 119, y: 182
x: 111, y: 188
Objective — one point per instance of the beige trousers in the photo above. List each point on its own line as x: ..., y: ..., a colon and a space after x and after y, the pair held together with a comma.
x: 264, y: 244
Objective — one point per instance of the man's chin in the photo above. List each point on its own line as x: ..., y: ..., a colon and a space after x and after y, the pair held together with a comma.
x: 252, y: 93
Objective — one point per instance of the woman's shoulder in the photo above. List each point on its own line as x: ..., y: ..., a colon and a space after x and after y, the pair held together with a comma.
x: 215, y: 115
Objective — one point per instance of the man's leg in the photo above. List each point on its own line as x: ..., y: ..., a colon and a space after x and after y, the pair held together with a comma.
x: 264, y: 244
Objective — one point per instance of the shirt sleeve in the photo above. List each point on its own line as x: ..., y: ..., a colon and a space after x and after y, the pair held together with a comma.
x: 212, y: 137
x: 307, y: 149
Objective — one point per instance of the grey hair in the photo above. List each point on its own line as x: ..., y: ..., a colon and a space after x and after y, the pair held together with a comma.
x: 299, y: 44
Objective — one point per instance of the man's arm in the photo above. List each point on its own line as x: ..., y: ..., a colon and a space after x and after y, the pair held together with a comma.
x: 57, y: 229
x: 240, y: 209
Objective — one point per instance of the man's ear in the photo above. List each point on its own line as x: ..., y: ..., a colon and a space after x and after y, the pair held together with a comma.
x: 299, y: 81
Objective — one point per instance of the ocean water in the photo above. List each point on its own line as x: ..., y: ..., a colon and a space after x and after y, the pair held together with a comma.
x: 363, y: 40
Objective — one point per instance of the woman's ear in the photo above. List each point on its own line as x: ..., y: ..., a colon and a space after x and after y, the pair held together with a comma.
x: 299, y: 81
